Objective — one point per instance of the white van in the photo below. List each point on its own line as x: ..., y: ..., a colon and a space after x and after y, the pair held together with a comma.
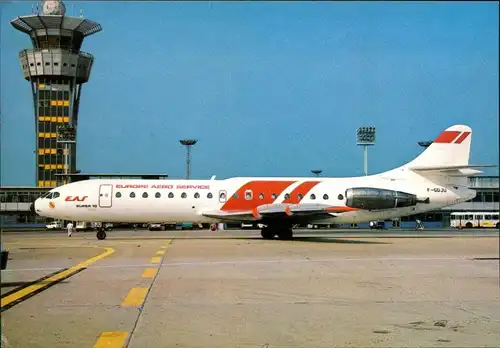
x: 54, y: 225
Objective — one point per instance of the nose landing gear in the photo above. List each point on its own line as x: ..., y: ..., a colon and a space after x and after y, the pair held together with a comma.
x: 101, y: 233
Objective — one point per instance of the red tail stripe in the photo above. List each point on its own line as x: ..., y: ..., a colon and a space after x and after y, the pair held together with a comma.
x: 447, y: 137
x: 462, y: 137
x: 302, y: 189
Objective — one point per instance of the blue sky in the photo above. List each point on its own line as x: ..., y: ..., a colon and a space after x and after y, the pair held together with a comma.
x: 269, y: 89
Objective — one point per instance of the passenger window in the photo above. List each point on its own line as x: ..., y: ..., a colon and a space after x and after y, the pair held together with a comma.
x: 495, y: 217
x: 235, y: 196
x: 145, y: 195
x: 261, y: 196
x: 340, y: 197
x: 132, y: 195
x: 300, y: 196
x: 222, y: 195
x: 118, y: 195
x: 287, y: 196
x: 313, y: 196
x: 273, y: 196
x: 487, y: 217
x: 248, y: 195
x: 325, y: 196
x: 183, y: 195
x: 157, y: 195
x: 170, y: 195
x: 210, y: 195
x: 196, y: 195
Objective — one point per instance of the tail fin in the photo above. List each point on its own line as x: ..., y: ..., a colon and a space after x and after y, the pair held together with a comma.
x: 450, y: 149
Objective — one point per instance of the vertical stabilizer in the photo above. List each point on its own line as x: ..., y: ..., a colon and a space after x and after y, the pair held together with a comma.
x: 450, y: 148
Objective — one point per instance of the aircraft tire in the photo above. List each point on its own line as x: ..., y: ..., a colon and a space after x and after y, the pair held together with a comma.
x: 266, y: 233
x: 101, y: 235
x: 285, y: 234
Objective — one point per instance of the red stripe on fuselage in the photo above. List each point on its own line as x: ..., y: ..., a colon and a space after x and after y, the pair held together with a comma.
x: 447, y: 137
x: 462, y: 137
x: 340, y: 209
x: 302, y: 189
x: 267, y: 188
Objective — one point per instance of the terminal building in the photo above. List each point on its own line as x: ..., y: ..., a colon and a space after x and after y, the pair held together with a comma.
x: 56, y: 70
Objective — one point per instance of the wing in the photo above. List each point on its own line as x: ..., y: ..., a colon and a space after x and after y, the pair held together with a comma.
x: 289, y: 212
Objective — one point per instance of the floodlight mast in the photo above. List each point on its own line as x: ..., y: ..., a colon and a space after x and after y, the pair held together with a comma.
x: 316, y: 172
x: 365, y: 136
x: 188, y: 143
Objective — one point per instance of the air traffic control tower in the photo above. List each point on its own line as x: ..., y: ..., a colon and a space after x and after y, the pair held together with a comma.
x: 56, y: 69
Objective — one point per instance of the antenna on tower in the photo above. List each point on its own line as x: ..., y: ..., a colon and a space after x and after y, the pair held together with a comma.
x: 81, y: 13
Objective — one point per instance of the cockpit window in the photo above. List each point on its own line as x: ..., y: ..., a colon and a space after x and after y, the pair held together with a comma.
x: 55, y: 195
x: 47, y: 195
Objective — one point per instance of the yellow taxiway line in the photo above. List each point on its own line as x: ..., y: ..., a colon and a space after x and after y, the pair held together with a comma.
x: 111, y: 340
x: 135, y: 297
x: 46, y: 282
x: 149, y: 272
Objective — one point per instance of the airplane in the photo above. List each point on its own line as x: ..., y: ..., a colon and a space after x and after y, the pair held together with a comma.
x: 434, y: 179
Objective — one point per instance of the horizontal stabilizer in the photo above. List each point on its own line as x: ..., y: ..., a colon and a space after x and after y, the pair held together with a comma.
x: 450, y: 168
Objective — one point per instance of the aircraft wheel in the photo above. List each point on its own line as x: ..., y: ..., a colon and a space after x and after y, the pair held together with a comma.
x: 285, y: 234
x: 101, y: 235
x: 266, y: 233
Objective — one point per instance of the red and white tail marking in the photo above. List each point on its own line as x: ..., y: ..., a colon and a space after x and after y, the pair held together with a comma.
x: 451, y: 137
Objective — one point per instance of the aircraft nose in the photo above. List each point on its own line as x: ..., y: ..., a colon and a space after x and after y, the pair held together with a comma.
x: 32, y: 208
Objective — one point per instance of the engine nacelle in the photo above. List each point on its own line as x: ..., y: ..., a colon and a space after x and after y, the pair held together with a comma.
x: 376, y: 199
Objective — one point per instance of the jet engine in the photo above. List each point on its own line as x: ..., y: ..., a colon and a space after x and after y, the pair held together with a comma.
x: 376, y: 199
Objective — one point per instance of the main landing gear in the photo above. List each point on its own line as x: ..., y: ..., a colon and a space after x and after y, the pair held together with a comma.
x: 101, y: 233
x: 282, y: 232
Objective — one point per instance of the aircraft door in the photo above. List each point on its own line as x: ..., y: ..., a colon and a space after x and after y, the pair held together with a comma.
x: 105, y: 195
x: 222, y: 196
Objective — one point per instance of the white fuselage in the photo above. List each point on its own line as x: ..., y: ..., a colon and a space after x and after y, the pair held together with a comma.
x: 122, y: 200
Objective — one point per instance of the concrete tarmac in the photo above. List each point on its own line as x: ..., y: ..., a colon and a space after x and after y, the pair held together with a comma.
x: 234, y: 289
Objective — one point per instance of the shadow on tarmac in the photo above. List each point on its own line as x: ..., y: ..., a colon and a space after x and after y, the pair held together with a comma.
x: 334, y: 240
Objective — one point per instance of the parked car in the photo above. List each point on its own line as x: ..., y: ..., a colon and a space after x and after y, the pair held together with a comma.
x: 54, y: 225
x: 155, y: 226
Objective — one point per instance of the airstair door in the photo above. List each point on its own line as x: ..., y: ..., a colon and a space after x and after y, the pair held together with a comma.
x: 105, y: 195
